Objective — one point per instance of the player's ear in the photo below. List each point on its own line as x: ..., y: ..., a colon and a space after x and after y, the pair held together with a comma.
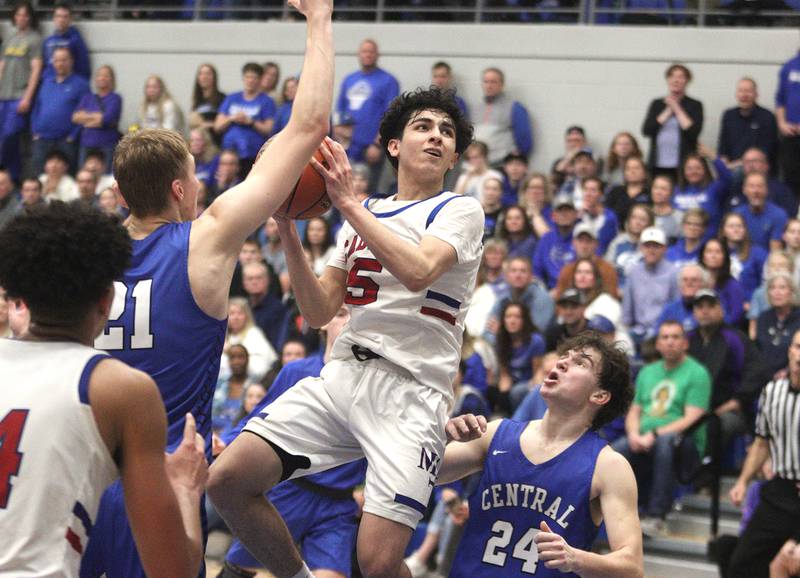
x: 176, y: 188
x: 393, y: 146
x: 456, y: 156
x: 106, y: 300
x: 600, y: 397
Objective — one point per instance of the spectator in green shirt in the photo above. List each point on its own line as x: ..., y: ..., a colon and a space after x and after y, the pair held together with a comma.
x: 670, y: 395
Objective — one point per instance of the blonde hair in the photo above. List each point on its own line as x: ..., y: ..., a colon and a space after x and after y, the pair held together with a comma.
x: 242, y: 304
x: 163, y: 97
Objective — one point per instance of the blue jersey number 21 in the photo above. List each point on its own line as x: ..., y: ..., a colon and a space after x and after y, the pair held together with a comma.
x: 113, y: 338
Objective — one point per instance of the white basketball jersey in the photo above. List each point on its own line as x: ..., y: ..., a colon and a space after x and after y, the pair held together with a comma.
x: 419, y: 331
x: 54, y: 465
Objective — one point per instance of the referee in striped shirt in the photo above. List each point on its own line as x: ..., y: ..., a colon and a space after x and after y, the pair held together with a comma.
x: 776, y: 519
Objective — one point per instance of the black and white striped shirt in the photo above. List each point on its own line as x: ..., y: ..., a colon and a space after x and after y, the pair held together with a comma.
x: 778, y: 421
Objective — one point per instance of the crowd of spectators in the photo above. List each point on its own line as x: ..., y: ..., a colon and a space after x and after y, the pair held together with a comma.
x: 685, y: 256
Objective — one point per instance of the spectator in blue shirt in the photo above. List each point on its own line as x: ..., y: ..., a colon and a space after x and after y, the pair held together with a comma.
x: 501, y: 122
x: 747, y: 125
x: 364, y: 95
x: 245, y: 118
x: 697, y: 187
x: 747, y: 259
x: 755, y: 161
x: 593, y: 213
x: 65, y: 35
x: 554, y: 249
x: 787, y: 111
x: 206, y: 155
x: 98, y: 113
x: 288, y: 92
x: 687, y: 248
x: 51, y: 121
x: 515, y: 229
x: 765, y: 220
x: 515, y: 171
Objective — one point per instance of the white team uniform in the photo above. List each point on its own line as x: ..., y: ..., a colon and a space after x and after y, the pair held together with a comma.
x: 391, y: 408
x: 54, y: 465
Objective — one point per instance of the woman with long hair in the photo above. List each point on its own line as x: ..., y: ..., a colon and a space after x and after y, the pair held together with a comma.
x: 318, y: 244
x: 270, y: 79
x: 230, y: 390
x: 205, y: 154
x: 747, y: 260
x: 475, y: 170
x: 634, y: 189
x: 535, y: 196
x: 586, y: 279
x: 288, y: 92
x: 98, y: 113
x: 515, y: 229
x: 206, y: 98
x: 697, y: 188
x: 519, y: 347
x: 667, y: 217
x: 242, y: 330
x: 624, y: 146
x: 158, y: 109
x: 715, y: 258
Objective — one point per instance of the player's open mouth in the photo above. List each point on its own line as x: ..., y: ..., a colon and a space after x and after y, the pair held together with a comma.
x: 434, y: 152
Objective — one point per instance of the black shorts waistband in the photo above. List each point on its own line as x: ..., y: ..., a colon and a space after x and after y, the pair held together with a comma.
x: 363, y: 354
x: 333, y: 493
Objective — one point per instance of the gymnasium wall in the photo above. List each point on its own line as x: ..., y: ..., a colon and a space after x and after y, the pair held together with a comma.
x: 599, y: 77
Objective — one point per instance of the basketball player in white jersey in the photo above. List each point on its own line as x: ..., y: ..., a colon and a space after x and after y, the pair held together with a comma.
x: 72, y: 419
x: 405, y: 266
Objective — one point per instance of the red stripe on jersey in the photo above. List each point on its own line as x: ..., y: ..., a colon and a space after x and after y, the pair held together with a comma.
x: 74, y: 541
x: 443, y: 315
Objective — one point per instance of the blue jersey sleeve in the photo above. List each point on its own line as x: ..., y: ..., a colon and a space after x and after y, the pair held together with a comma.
x: 521, y: 127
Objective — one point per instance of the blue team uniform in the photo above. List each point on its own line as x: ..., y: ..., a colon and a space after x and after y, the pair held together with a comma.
x: 514, y: 496
x: 162, y: 331
x: 319, y: 510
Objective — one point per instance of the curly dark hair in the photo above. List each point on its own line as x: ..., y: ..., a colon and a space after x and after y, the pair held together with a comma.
x: 403, y: 108
x: 60, y: 259
x: 614, y: 375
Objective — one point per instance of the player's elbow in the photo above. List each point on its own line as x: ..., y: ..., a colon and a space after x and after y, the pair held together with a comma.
x: 315, y: 125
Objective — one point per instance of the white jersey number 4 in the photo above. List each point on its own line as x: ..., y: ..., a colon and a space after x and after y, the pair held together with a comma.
x: 525, y: 548
x: 113, y: 338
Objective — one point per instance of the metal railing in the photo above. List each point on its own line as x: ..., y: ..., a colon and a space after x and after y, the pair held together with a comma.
x: 596, y: 12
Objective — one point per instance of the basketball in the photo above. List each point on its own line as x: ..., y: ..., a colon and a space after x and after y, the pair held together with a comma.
x: 309, y: 197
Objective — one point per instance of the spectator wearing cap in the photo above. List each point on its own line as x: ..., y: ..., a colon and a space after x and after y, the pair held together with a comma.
x: 584, y: 166
x: 501, y: 122
x: 715, y: 258
x: 687, y: 248
x: 584, y: 242
x: 776, y: 326
x: 747, y: 125
x: 596, y: 215
x: 670, y: 395
x: 520, y: 286
x: 651, y: 284
x: 515, y: 169
x: 554, y: 249
x: 692, y: 278
x: 732, y: 361
x: 51, y: 120
x: 624, y: 253
x: 574, y: 142
x: 570, y: 309
x: 65, y: 35
x: 765, y: 220
x: 515, y: 229
x: 634, y: 188
x: 612, y: 334
x: 673, y: 123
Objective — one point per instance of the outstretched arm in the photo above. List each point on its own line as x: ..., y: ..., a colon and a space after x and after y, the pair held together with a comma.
x: 464, y: 458
x: 616, y: 485
x: 241, y: 210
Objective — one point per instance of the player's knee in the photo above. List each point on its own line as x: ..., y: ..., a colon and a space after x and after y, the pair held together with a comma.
x: 222, y: 486
x: 379, y: 564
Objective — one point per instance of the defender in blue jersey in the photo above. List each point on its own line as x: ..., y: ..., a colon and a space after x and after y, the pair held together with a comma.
x: 319, y: 510
x: 170, y: 306
x: 547, y: 485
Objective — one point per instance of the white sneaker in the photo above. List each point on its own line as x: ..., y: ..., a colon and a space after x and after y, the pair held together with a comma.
x: 417, y: 568
x: 653, y: 527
